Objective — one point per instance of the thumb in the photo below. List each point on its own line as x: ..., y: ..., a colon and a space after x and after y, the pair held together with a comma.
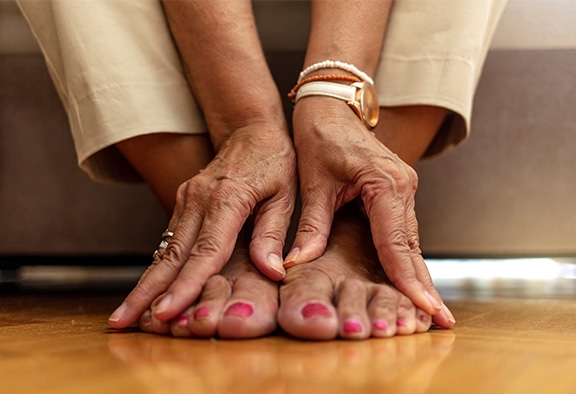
x: 269, y: 234
x: 313, y: 230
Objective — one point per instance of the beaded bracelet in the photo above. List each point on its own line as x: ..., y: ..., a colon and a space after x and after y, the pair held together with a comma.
x: 335, y: 64
x: 331, y: 77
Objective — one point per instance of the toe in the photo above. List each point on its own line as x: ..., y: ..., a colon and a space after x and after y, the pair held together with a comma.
x: 423, y: 320
x: 251, y: 309
x: 179, y: 326
x: 353, y: 321
x: 382, y: 311
x: 406, y: 316
x: 145, y: 321
x: 306, y: 309
x: 158, y: 326
x: 203, y: 318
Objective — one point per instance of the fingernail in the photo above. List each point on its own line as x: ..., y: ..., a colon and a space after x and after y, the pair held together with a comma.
x: 276, y: 263
x: 448, y: 314
x: 433, y: 301
x: 293, y: 255
x: 240, y: 309
x: 401, y: 322
x: 118, y: 313
x: 163, y: 305
x: 352, y: 327
x: 201, y: 313
x: 380, y: 325
x: 315, y: 310
x: 183, y: 320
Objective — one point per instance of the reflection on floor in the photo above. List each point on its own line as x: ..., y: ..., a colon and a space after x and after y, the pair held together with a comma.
x: 516, y: 333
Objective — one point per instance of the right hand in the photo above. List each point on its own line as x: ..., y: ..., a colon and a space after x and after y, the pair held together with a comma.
x: 254, y: 173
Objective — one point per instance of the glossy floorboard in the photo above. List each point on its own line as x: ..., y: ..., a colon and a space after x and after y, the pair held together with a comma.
x: 511, y: 337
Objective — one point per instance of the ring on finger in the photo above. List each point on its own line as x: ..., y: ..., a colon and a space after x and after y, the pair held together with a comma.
x: 166, y: 236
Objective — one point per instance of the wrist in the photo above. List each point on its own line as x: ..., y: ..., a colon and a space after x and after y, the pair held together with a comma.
x: 266, y: 118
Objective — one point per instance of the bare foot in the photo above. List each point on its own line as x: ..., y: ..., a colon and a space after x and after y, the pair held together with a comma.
x: 345, y: 292
x: 238, y: 303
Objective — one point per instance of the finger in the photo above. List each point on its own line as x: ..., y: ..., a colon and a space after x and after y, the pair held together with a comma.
x: 389, y: 232
x: 211, y: 251
x: 313, y: 227
x: 269, y: 234
x: 163, y: 272
x: 443, y: 317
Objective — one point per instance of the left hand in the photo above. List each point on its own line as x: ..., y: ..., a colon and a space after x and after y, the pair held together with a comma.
x: 340, y: 159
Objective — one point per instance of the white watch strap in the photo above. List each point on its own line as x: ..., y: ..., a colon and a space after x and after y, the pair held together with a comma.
x: 330, y: 89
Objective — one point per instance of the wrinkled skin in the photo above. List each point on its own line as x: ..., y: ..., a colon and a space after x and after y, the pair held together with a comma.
x: 339, y: 159
x: 254, y: 173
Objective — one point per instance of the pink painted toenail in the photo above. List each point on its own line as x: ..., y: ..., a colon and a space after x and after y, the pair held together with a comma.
x: 380, y: 325
x: 183, y: 320
x: 147, y: 322
x: 201, y: 313
x: 240, y: 309
x: 352, y: 327
x: 315, y: 310
x: 401, y: 322
x: 423, y: 318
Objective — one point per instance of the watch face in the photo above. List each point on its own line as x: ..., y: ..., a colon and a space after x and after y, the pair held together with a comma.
x: 369, y: 104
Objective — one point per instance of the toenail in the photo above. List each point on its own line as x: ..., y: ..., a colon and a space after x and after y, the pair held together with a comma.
x: 315, y: 310
x: 201, y: 313
x: 147, y: 322
x: 240, y: 309
x: 352, y: 327
x: 401, y: 322
x: 380, y: 325
x: 423, y: 318
x: 183, y: 320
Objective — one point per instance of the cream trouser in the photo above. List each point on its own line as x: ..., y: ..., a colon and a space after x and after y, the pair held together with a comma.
x: 118, y: 72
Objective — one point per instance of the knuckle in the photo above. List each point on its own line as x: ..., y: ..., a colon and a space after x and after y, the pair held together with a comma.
x: 174, y: 256
x: 208, y: 247
x: 413, y: 242
x: 310, y: 227
x: 229, y: 196
x: 393, y: 243
x: 269, y: 234
x: 391, y: 180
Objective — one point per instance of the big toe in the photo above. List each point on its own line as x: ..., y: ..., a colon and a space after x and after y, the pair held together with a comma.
x: 306, y: 309
x: 251, y: 309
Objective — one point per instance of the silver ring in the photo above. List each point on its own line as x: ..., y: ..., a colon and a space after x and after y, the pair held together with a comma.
x: 166, y: 235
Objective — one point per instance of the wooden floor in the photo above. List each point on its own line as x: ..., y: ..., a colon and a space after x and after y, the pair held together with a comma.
x: 512, y: 336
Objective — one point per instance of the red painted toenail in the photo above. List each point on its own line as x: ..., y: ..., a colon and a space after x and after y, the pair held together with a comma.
x: 352, y: 327
x: 183, y: 320
x: 315, y: 310
x: 201, y: 313
x: 380, y: 325
x: 423, y: 318
x: 401, y: 322
x: 240, y: 309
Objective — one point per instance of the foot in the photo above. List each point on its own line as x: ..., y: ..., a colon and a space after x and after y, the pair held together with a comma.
x: 345, y: 292
x: 238, y: 303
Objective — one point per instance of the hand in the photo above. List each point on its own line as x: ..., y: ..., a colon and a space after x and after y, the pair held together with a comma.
x: 338, y: 160
x: 254, y: 173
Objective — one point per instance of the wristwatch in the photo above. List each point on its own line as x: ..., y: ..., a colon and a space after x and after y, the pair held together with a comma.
x: 360, y: 96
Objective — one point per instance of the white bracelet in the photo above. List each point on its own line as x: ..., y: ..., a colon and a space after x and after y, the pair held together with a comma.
x: 335, y: 64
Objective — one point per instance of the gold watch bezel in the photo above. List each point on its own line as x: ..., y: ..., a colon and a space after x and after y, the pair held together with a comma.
x: 365, y: 103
